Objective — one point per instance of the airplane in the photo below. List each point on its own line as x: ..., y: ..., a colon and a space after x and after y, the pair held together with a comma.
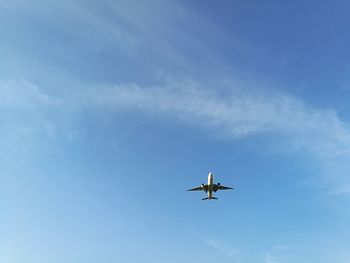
x: 210, y: 187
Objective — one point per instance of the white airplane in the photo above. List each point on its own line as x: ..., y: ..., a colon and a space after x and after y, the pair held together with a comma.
x: 210, y: 187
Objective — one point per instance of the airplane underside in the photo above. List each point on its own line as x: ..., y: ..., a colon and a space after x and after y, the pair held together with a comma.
x: 210, y: 188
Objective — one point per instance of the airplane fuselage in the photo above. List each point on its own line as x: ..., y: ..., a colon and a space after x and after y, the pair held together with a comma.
x: 210, y: 185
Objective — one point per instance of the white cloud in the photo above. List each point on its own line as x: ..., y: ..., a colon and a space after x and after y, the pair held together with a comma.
x: 229, y: 109
x: 21, y: 94
x: 341, y: 190
x: 233, y: 112
x: 28, y: 112
x: 223, y: 248
x: 269, y: 258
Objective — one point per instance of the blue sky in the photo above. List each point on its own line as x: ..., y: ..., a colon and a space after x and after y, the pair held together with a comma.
x: 110, y: 110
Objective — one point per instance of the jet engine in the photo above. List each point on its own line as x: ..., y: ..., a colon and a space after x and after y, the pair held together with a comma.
x: 218, y: 183
x: 202, y: 185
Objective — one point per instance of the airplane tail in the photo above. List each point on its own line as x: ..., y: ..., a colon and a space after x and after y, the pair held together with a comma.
x: 207, y: 198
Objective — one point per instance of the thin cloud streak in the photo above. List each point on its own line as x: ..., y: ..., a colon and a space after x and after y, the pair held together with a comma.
x: 229, y: 109
x: 268, y: 258
x: 223, y: 248
x: 238, y: 113
x: 21, y: 94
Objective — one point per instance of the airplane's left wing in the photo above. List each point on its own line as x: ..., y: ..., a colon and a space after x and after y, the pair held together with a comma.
x: 221, y: 187
x: 195, y: 189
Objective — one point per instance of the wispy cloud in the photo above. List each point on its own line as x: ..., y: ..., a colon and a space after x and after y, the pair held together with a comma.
x: 275, y: 254
x: 21, y: 94
x: 223, y: 248
x: 228, y: 108
x: 29, y: 112
x: 269, y: 258
x: 234, y: 112
x: 341, y: 190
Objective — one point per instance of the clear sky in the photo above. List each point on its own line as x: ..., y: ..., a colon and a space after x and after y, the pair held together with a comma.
x: 110, y: 110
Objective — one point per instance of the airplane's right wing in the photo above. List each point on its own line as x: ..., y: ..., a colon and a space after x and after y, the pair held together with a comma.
x: 200, y: 188
x: 221, y: 187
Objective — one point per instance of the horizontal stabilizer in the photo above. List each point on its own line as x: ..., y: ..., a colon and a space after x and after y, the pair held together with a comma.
x: 207, y: 198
